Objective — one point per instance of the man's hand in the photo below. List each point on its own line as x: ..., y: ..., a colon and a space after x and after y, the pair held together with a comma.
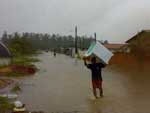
x: 84, y: 61
x: 84, y: 58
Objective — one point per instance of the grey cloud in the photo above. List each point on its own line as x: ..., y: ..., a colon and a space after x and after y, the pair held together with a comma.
x: 115, y: 20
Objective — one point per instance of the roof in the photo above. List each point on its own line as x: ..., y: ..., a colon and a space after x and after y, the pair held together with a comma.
x: 4, y: 51
x: 114, y: 46
x: 134, y: 37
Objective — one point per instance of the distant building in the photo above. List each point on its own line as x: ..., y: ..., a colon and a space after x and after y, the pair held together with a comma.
x: 140, y: 42
x: 116, y: 47
x: 5, y: 55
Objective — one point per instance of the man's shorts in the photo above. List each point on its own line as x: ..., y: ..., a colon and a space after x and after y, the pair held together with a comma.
x: 97, y: 84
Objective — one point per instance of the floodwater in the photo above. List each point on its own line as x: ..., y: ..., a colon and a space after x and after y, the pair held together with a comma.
x: 63, y: 85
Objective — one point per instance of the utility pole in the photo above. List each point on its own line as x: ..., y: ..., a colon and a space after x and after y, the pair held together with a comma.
x: 76, y: 41
x: 95, y: 36
x: 83, y: 43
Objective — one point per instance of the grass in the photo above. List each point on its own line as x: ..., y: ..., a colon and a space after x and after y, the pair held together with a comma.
x: 5, y: 105
x: 16, y: 89
x: 24, y: 60
x: 15, y: 74
x: 4, y: 65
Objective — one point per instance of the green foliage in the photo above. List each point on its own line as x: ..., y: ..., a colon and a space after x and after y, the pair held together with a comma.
x: 24, y: 60
x: 4, y: 65
x: 5, y: 105
x: 16, y: 89
x: 20, y: 46
x: 15, y: 74
x: 28, y: 43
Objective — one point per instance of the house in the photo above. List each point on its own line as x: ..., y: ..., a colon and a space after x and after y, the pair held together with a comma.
x: 5, y: 55
x: 115, y: 47
x: 140, y: 43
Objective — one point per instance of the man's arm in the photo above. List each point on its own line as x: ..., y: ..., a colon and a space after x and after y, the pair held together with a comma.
x: 87, y: 65
x: 102, y: 65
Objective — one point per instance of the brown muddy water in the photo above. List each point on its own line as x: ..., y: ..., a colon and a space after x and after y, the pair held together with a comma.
x: 63, y: 85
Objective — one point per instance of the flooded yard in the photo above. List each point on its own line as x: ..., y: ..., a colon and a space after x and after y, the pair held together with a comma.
x: 64, y: 85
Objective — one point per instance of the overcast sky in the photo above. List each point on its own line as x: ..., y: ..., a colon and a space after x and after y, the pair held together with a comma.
x: 113, y: 20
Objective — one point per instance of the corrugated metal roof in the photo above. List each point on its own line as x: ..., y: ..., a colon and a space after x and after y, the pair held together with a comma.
x: 143, y: 31
x: 114, y: 46
x: 4, y: 51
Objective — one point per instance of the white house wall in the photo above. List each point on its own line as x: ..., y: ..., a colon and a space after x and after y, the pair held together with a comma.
x: 5, y: 61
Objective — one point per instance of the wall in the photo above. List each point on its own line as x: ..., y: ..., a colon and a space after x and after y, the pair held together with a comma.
x: 141, y: 44
x: 4, y: 61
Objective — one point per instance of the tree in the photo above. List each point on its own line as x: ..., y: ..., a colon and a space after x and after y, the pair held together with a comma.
x: 26, y: 42
x: 5, y: 106
x: 5, y: 38
x: 105, y: 42
x: 20, y: 46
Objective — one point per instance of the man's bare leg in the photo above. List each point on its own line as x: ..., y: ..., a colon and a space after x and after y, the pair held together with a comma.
x: 95, y: 93
x: 101, y: 92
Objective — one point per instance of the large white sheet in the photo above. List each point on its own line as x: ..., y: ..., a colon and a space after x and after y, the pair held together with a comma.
x: 100, y: 51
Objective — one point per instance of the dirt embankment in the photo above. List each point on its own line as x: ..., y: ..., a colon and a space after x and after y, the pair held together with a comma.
x: 5, y: 82
x: 27, y: 70
x: 14, y: 71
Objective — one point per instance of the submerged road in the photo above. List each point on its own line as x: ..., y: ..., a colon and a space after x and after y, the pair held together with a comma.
x: 63, y: 85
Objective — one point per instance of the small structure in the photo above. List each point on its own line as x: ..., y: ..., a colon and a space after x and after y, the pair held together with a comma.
x: 140, y: 43
x: 5, y: 55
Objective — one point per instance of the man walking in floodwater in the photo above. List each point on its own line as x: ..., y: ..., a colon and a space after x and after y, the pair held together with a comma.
x: 96, y: 75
